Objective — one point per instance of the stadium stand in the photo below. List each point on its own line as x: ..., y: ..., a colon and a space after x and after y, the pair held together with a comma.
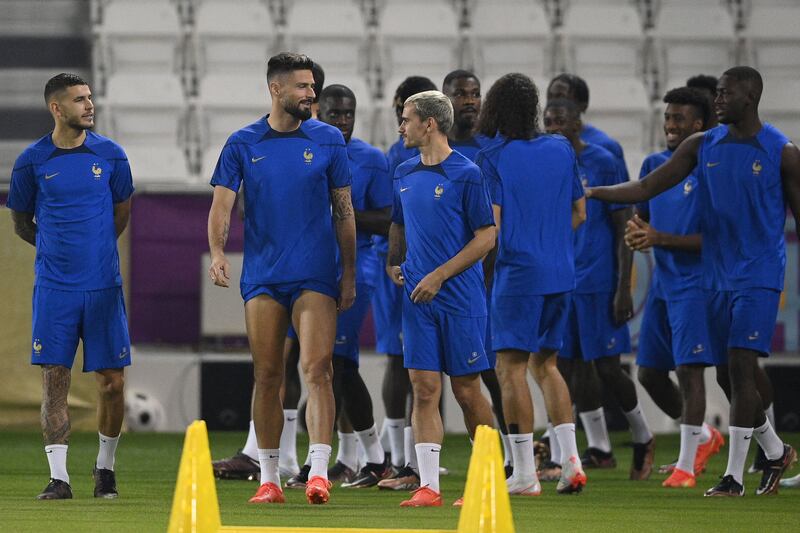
x: 771, y: 38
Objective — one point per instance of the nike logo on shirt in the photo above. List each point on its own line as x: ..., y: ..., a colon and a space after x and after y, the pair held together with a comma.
x: 712, y: 165
x: 404, y: 189
x: 51, y: 176
x: 257, y: 159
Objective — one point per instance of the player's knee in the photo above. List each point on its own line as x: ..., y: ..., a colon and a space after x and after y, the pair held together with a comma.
x: 649, y: 378
x: 426, y: 392
x: 318, y: 373
x: 112, y: 385
x: 268, y: 377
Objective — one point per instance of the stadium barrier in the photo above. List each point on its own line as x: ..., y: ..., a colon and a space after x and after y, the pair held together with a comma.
x: 195, y: 508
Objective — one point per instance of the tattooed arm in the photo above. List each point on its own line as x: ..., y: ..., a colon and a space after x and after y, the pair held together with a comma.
x: 397, y: 252
x: 54, y: 414
x: 24, y: 226
x: 219, y: 224
x: 346, y: 236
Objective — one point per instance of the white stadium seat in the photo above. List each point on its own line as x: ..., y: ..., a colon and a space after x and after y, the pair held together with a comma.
x: 233, y: 36
x: 620, y: 107
x: 157, y: 164
x: 228, y: 102
x: 510, y: 36
x: 779, y: 106
x: 331, y: 33
x: 772, y: 39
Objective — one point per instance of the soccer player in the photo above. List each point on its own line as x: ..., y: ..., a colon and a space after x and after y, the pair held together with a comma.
x: 244, y: 463
x: 464, y: 90
x: 290, y: 270
x: 747, y: 173
x: 386, y: 311
x: 372, y: 199
x: 70, y: 197
x: 597, y: 332
x: 674, y: 333
x: 537, y: 206
x: 442, y: 226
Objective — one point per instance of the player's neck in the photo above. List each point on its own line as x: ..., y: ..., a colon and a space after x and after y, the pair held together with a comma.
x: 577, y: 144
x: 280, y: 120
x: 745, y: 128
x: 435, y: 151
x: 460, y: 134
x: 67, y: 137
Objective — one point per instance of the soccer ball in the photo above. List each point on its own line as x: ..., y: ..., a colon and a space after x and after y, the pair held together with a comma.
x: 143, y: 411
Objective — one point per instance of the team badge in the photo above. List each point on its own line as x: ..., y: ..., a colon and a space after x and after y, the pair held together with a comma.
x: 688, y: 186
x: 438, y: 191
x: 97, y: 171
x: 37, y: 346
x: 756, y: 167
x: 308, y: 156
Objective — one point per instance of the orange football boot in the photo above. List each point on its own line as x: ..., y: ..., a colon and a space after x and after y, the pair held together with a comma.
x: 423, y: 497
x: 680, y: 479
x: 268, y: 493
x: 317, y: 490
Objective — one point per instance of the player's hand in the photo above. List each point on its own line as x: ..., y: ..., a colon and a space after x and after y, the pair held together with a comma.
x: 639, y: 235
x: 428, y: 288
x: 588, y: 192
x: 623, y: 306
x: 219, y: 271
x: 347, y: 293
x: 395, y: 274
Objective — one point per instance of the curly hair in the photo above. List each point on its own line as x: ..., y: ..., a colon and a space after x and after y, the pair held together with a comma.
x: 695, y: 98
x: 511, y: 107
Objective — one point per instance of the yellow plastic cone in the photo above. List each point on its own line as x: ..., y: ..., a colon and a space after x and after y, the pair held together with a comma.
x: 486, y: 505
x: 195, y: 508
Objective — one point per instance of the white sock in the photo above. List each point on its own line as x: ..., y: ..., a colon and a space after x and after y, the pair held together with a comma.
x: 690, y: 439
x: 347, y: 453
x: 769, y: 441
x: 108, y: 447
x: 372, y: 445
x: 770, y: 412
x: 428, y: 461
x: 251, y: 444
x: 268, y: 462
x: 288, y: 441
x: 410, y: 448
x: 522, y: 451
x: 639, y: 428
x: 57, y: 459
x: 555, y: 447
x: 738, y: 446
x: 320, y: 455
x: 508, y: 455
x: 706, y: 433
x: 594, y: 423
x: 393, y: 427
x: 565, y: 433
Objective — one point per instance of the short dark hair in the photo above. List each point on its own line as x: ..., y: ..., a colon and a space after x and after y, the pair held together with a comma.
x: 511, y: 107
x: 564, y: 103
x: 288, y: 62
x: 692, y: 97
x: 458, y: 74
x: 413, y: 85
x: 703, y: 82
x: 59, y: 82
x: 577, y: 86
x: 337, y: 91
x: 747, y: 75
x: 319, y: 80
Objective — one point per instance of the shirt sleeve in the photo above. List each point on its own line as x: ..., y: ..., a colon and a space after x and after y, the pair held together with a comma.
x: 477, y: 204
x: 577, y: 186
x: 22, y: 194
x: 121, y: 181
x: 339, y: 167
x: 379, y: 192
x: 397, y: 206
x: 491, y: 178
x: 228, y: 171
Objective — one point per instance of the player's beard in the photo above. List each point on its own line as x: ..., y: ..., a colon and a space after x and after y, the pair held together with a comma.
x: 294, y: 110
x: 77, y: 123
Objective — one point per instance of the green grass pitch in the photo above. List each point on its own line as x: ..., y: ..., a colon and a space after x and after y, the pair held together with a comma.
x: 147, y: 466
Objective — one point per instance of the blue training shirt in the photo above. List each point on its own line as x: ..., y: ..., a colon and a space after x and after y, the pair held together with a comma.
x: 72, y: 193
x: 288, y: 228
x: 678, y: 273
x: 470, y: 147
x: 535, y: 182
x: 371, y: 189
x: 592, y: 135
x: 595, y: 243
x: 744, y: 211
x: 441, y: 206
x: 396, y: 154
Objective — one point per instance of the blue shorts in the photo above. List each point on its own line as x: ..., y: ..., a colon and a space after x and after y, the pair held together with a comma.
x: 529, y: 323
x: 287, y: 294
x: 591, y: 333
x: 348, y: 325
x: 61, y: 318
x: 442, y: 342
x: 743, y: 319
x: 387, y: 312
x: 675, y: 333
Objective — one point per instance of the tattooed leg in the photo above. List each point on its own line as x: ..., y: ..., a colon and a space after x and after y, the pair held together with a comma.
x: 54, y: 416
x: 111, y: 407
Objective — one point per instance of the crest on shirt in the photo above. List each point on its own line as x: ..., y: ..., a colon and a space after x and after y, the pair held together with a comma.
x: 97, y: 171
x: 308, y: 155
x: 37, y: 346
x: 756, y: 167
x: 438, y: 191
x: 688, y: 187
